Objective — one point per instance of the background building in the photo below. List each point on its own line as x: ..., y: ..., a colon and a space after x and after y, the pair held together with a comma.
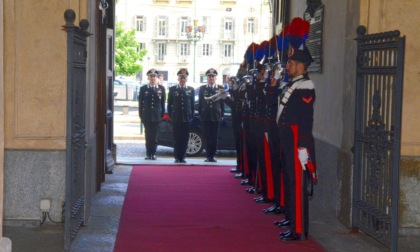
x: 226, y: 29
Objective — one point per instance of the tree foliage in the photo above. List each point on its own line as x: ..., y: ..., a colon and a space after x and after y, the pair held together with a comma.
x: 127, y: 59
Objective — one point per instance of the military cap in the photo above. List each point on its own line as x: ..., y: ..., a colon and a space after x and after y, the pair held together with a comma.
x: 300, y: 54
x: 183, y: 72
x: 152, y: 72
x: 212, y: 72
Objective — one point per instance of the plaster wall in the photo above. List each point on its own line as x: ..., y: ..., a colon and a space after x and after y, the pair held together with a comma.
x: 1, y: 120
x: 329, y: 83
x: 35, y: 75
x: 35, y: 60
x: 333, y: 114
x: 402, y: 15
x: 35, y: 86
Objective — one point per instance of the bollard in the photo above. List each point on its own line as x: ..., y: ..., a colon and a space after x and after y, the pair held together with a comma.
x: 126, y: 109
x: 126, y: 92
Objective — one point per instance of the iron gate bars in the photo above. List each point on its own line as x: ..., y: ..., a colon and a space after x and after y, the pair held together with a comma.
x: 379, y: 86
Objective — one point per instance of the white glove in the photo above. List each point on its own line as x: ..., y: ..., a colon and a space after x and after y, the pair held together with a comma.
x: 277, y: 73
x: 303, y: 157
x: 266, y: 74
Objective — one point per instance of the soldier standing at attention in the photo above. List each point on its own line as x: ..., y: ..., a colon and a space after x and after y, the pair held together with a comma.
x: 151, y: 110
x: 181, y: 112
x: 295, y: 121
x: 211, y: 113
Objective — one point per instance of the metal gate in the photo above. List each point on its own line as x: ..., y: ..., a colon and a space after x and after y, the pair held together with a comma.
x: 379, y: 86
x: 76, y: 107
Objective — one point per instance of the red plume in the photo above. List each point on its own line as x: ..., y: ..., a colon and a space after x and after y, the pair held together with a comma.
x: 298, y: 27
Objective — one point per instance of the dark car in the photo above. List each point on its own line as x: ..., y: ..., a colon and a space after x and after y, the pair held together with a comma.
x: 196, y: 143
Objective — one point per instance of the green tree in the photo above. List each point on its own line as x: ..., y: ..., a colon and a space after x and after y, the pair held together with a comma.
x: 127, y: 59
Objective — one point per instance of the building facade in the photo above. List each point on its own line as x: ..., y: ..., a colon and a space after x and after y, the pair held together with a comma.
x: 33, y: 79
x: 225, y: 29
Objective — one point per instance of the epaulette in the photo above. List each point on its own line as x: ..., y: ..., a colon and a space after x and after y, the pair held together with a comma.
x: 305, y: 84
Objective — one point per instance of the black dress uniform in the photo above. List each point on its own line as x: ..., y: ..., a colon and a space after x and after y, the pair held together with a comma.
x: 295, y: 120
x: 295, y: 130
x: 235, y: 103
x: 264, y: 168
x: 181, y: 113
x: 151, y: 110
x: 211, y: 113
x: 272, y: 93
x: 250, y: 133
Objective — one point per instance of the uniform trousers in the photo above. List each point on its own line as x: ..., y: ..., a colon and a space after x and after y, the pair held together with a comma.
x: 151, y: 130
x: 251, y: 148
x: 211, y: 132
x: 237, y: 132
x: 259, y: 141
x: 274, y: 146
x: 181, y: 134
x: 295, y: 189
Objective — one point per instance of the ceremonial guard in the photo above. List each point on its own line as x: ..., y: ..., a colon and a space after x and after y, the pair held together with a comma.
x: 295, y: 121
x: 181, y: 112
x: 211, y: 112
x: 235, y: 103
x: 247, y: 93
x: 272, y: 91
x: 242, y: 167
x: 264, y: 168
x: 151, y: 110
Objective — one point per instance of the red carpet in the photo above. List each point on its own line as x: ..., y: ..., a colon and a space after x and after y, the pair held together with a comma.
x: 196, y: 208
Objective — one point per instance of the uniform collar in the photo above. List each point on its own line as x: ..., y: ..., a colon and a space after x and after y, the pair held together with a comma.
x: 297, y: 78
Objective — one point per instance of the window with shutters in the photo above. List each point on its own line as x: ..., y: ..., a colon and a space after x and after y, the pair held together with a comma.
x: 228, y: 28
x: 206, y: 50
x: 161, y: 51
x: 250, y: 26
x: 227, y: 50
x: 162, y: 26
x: 183, y: 23
x: 141, y: 46
x: 140, y: 24
x: 184, y: 49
